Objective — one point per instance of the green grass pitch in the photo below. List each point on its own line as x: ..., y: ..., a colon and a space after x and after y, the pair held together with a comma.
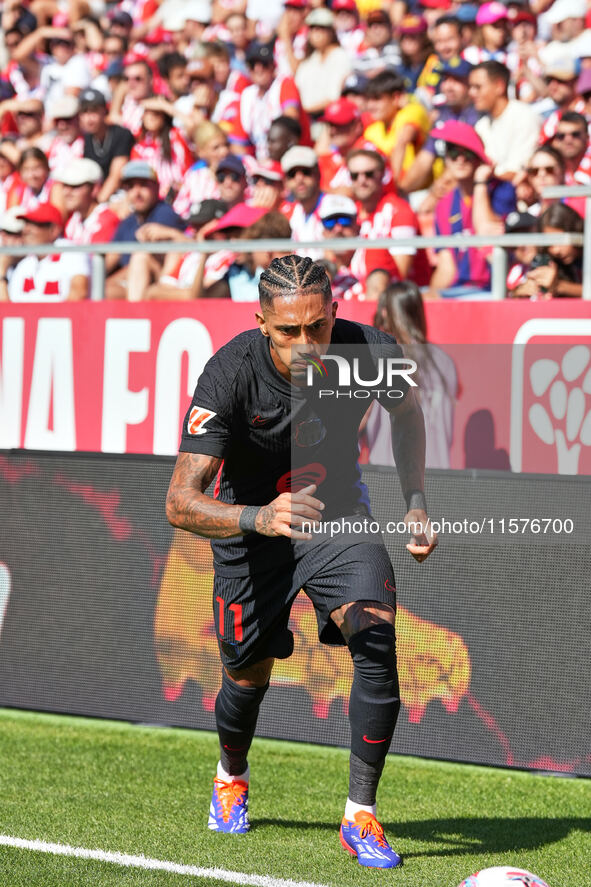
x: 140, y: 790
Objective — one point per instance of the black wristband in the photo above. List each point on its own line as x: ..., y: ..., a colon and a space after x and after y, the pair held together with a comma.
x: 416, y: 500
x: 247, y: 518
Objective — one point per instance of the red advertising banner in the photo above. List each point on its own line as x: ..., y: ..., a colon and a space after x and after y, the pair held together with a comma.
x: 117, y: 378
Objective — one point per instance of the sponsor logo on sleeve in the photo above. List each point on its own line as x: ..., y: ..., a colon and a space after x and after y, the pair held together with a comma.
x: 198, y: 417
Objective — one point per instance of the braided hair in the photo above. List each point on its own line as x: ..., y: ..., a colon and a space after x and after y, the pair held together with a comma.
x: 291, y: 275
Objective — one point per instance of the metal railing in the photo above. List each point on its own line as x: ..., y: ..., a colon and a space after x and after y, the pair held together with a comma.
x: 499, y: 246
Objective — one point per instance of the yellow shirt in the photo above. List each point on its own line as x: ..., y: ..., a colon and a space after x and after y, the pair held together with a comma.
x: 384, y: 139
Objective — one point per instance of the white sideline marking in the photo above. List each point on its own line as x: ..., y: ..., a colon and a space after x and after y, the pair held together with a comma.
x: 145, y: 862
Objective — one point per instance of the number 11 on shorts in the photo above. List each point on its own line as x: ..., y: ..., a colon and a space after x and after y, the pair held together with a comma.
x: 236, y: 610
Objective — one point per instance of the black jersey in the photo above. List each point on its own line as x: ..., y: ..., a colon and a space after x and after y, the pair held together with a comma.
x: 275, y: 437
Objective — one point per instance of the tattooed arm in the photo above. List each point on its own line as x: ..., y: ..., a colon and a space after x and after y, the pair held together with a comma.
x: 408, y: 447
x: 188, y: 508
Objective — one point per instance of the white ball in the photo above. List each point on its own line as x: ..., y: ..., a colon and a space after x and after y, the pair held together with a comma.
x: 503, y: 876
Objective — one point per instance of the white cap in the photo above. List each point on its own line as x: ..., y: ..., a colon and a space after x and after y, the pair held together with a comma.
x: 10, y: 221
x: 563, y: 9
x: 581, y: 45
x: 299, y: 155
x: 67, y: 106
x: 337, y: 205
x: 81, y: 171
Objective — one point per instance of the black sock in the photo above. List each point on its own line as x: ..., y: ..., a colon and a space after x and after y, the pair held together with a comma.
x: 373, y: 708
x: 236, y: 713
x: 363, y: 780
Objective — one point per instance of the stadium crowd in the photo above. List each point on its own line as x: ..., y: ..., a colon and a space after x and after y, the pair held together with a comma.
x: 183, y: 120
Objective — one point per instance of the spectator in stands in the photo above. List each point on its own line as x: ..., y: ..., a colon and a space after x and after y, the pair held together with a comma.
x: 355, y: 271
x: 173, y: 70
x: 522, y: 56
x: 39, y: 187
x: 199, y: 183
x: 502, y: 119
x: 453, y: 87
x: 198, y: 105
x: 447, y: 39
x: 415, y: 48
x: 492, y: 34
x: 141, y: 183
x: 349, y: 31
x: 137, y: 85
x: 522, y: 256
x: 345, y: 132
x: 227, y: 82
x: 545, y: 169
x: 556, y: 271
x: 572, y: 141
x: 28, y: 117
x: 383, y: 52
x: 477, y: 205
x: 447, y: 43
x: 266, y: 99
x: 238, y: 40
x: 11, y: 186
x: 321, y: 75
x: 302, y: 178
x: 284, y: 133
x: 401, y: 313
x: 230, y: 176
x: 54, y: 278
x: 399, y: 127
x: 241, y: 281
x: 24, y: 73
x: 178, y: 270
x: 266, y: 179
x: 354, y: 90
x: 567, y: 18
x: 382, y: 214
x: 292, y: 37
x: 560, y: 80
x: 111, y: 61
x: 161, y: 145
x: 210, y: 278
x: 108, y: 144
x: 87, y: 220
x: 66, y: 142
x: 67, y: 72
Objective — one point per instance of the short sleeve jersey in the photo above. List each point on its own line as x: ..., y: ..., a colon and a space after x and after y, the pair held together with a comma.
x: 275, y: 437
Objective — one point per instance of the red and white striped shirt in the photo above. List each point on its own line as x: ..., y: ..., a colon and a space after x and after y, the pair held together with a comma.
x: 98, y: 227
x: 170, y: 172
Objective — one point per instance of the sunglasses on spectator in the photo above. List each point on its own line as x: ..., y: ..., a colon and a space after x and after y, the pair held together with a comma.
x: 28, y: 113
x: 61, y: 42
x: 536, y: 170
x: 577, y: 134
x: 224, y: 174
x: 366, y: 173
x: 455, y: 151
x: 304, y: 170
x: 333, y: 221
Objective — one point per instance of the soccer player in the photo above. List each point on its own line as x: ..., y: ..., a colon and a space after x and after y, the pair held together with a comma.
x: 255, y: 425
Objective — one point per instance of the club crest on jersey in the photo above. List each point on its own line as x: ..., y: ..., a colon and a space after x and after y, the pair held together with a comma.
x: 197, y: 419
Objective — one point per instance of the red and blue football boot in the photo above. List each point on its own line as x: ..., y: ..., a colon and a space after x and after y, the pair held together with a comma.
x: 229, y: 806
x: 364, y: 838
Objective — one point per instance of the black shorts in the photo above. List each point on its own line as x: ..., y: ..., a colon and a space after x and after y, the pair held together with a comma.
x: 252, y: 612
